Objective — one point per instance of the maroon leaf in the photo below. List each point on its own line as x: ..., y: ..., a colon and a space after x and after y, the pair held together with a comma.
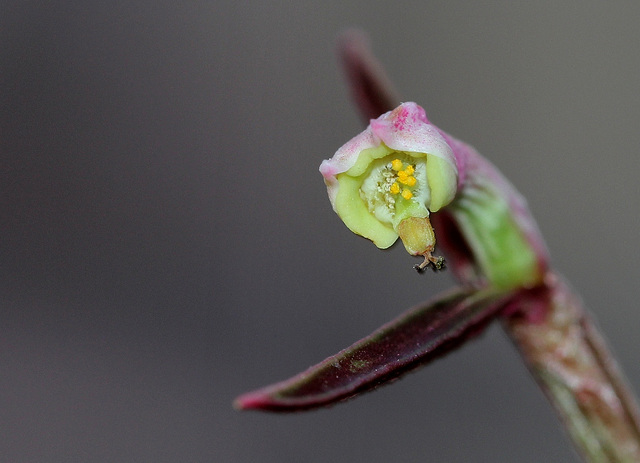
x: 371, y: 90
x: 413, y: 339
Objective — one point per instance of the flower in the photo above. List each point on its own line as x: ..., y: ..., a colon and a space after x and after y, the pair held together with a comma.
x: 384, y: 182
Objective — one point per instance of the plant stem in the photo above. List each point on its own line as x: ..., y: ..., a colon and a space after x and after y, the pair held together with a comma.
x: 572, y: 364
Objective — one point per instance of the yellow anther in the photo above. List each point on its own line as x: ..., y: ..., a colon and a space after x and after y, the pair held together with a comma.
x: 406, y: 194
x: 402, y: 174
x: 396, y: 164
x: 394, y: 189
x: 410, y: 170
x: 409, y: 181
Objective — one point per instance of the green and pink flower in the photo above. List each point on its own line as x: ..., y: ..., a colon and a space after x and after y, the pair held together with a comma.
x: 386, y: 181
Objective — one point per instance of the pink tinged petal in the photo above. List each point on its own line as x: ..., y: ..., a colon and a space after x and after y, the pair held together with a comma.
x: 344, y: 159
x: 407, y: 129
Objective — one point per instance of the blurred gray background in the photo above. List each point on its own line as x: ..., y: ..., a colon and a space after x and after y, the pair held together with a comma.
x: 166, y: 241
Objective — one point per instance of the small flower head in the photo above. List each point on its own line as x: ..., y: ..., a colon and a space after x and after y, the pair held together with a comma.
x: 399, y: 168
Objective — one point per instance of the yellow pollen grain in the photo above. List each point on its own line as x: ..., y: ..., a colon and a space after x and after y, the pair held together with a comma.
x: 396, y: 164
x: 402, y: 174
x: 394, y: 189
x: 406, y: 194
x: 410, y: 170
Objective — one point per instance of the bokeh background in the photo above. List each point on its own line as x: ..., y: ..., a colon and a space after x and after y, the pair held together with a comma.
x: 166, y: 242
